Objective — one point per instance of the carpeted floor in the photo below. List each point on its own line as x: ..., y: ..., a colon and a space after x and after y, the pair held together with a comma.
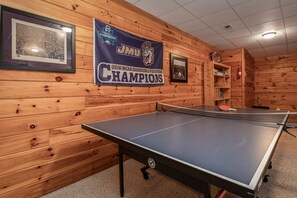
x: 282, y: 182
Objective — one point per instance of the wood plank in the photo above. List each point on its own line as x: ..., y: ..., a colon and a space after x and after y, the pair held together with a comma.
x: 35, y: 157
x: 22, y: 107
x: 84, y: 34
x: 277, y: 59
x: 277, y: 96
x: 18, y: 161
x: 10, y: 89
x: 54, y: 182
x: 24, y: 142
x: 84, y: 62
x: 32, y: 175
x: 81, y: 75
x: 276, y: 69
x: 71, y: 133
x: 13, y: 90
x: 28, y: 124
x: 120, y: 99
x: 185, y: 102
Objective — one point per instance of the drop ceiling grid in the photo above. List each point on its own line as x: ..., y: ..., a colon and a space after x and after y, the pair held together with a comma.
x: 205, y: 19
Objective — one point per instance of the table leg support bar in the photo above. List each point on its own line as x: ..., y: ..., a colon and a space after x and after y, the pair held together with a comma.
x: 144, y: 173
x: 121, y: 171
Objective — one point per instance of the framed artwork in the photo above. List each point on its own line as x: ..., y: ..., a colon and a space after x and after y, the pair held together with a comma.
x: 32, y: 42
x: 178, y: 68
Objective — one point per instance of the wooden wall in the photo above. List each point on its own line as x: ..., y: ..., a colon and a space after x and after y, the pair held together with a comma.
x: 249, y: 79
x: 242, y: 87
x: 42, y: 145
x: 276, y: 82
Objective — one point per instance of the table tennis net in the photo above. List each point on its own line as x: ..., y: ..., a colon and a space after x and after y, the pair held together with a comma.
x: 257, y: 115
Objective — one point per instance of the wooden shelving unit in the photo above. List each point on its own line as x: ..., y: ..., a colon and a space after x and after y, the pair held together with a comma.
x: 217, y: 84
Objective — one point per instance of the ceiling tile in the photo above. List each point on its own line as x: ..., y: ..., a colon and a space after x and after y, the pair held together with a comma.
x: 276, y: 50
x: 290, y: 10
x: 204, y: 33
x: 290, y: 21
x: 156, y: 7
x: 236, y: 2
x: 206, y: 7
x: 263, y: 17
x: 183, y: 2
x: 237, y: 24
x: 279, y: 39
x: 177, y: 16
x: 292, y: 47
x: 291, y: 34
x: 255, y: 6
x: 274, y: 25
x: 192, y: 26
x: 220, y: 17
x: 286, y: 2
x: 213, y: 39
x: 248, y: 42
x: 237, y: 33
x: 206, y: 19
x: 224, y: 45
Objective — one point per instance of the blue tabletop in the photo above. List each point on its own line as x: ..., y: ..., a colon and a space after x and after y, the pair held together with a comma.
x: 233, y: 149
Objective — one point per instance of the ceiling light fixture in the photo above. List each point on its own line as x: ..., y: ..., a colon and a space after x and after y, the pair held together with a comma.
x: 269, y: 35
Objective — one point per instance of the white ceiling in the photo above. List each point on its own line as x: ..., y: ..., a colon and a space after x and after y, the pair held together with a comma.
x: 206, y: 19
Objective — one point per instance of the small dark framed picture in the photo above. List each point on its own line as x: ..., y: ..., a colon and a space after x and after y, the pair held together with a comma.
x: 32, y: 42
x: 178, y: 68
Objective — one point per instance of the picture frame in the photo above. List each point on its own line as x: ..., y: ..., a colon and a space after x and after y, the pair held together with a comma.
x: 36, y: 43
x: 178, y: 68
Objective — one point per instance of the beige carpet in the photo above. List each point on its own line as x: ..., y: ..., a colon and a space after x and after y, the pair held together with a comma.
x: 282, y: 182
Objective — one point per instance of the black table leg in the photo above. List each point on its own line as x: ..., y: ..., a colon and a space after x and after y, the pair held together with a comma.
x: 121, y: 171
x: 207, y: 193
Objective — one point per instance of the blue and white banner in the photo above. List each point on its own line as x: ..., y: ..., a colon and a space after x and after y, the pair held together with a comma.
x: 121, y: 58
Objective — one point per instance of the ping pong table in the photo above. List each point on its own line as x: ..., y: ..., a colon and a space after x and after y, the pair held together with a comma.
x: 197, y: 150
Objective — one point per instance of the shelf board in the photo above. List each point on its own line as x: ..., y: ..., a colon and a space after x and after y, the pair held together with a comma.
x: 222, y: 76
x: 220, y: 65
x: 218, y: 75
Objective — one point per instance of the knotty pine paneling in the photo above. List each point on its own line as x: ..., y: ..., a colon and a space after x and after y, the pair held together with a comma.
x: 63, y: 178
x: 22, y: 107
x: 275, y: 82
x: 45, y: 170
x: 24, y: 142
x: 64, y: 134
x: 84, y: 62
x: 55, y: 156
x: 104, y: 100
x: 29, y: 124
x: 43, y: 147
x: 249, y: 89
x: 242, y: 88
x: 84, y: 75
